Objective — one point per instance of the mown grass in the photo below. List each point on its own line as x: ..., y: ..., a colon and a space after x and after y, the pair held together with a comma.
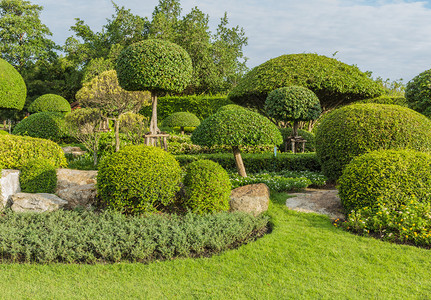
x: 305, y: 257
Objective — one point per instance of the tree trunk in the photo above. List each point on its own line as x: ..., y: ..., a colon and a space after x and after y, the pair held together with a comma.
x: 182, y: 129
x: 153, y: 124
x: 295, y: 128
x: 238, y: 161
x: 95, y: 157
x: 117, y: 134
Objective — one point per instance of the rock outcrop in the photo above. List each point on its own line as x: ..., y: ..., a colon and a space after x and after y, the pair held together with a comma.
x: 41, y: 202
x: 77, y: 187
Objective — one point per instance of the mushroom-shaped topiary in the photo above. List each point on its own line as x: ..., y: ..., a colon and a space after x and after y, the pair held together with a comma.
x: 181, y: 119
x: 237, y: 128
x: 45, y: 125
x: 156, y: 66
x: 418, y: 93
x: 49, y: 102
x: 12, y: 87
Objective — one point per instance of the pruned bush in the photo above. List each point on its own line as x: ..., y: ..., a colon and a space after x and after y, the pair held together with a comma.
x: 230, y: 107
x: 38, y: 176
x: 45, y: 125
x: 418, y: 93
x: 49, y: 102
x: 138, y: 179
x: 3, y: 132
x: 387, y: 99
x: 181, y: 119
x: 13, y: 91
x: 356, y: 129
x: 207, y: 187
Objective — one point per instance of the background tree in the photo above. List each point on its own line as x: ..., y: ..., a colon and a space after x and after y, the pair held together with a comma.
x: 235, y: 128
x: 155, y: 66
x: 104, y: 92
x: 418, y: 93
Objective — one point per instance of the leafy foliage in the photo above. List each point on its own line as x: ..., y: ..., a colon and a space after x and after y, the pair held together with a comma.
x: 12, y: 87
x: 387, y: 99
x: 207, y: 187
x: 333, y: 82
x: 45, y: 125
x: 181, y: 119
x: 38, y: 176
x: 356, y: 129
x: 50, y: 102
x: 418, y: 93
x: 274, y: 182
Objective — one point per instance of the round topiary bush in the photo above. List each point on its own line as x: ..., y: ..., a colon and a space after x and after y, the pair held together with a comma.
x: 387, y: 99
x: 45, y: 125
x: 310, y: 145
x: 38, y: 176
x: 138, y: 179
x: 385, y: 176
x: 12, y: 87
x: 49, y: 102
x: 207, y: 187
x: 230, y: 107
x: 181, y: 119
x: 418, y: 93
x: 356, y: 129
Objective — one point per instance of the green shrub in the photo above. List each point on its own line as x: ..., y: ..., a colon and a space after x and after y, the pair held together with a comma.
x: 18, y: 151
x: 385, y: 176
x: 230, y: 107
x: 207, y: 187
x: 45, y: 125
x: 310, y: 145
x: 275, y: 183
x: 387, y: 99
x: 418, y: 93
x: 38, y: 176
x: 356, y: 129
x: 13, y: 91
x: 138, y: 179
x: 181, y: 119
x: 49, y: 102
x: 3, y: 132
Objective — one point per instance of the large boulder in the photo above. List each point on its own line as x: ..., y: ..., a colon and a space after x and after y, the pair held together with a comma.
x: 67, y: 178
x: 77, y: 187
x: 41, y: 202
x: 252, y: 198
x: 9, y: 185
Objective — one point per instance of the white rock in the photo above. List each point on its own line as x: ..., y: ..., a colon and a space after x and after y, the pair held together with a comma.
x: 41, y: 202
x: 9, y: 185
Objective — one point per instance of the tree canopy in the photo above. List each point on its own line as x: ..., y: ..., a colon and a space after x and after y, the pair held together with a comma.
x: 12, y: 87
x: 418, y: 93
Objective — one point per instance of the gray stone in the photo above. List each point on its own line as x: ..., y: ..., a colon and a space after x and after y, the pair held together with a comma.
x: 79, y: 195
x: 9, y: 185
x: 252, y: 198
x: 41, y: 202
x: 67, y: 178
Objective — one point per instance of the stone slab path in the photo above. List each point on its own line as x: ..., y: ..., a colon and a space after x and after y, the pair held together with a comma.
x: 321, y: 201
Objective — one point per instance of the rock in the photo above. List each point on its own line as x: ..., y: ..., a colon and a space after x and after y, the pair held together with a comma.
x: 79, y: 195
x: 9, y: 185
x: 252, y: 198
x: 41, y: 202
x: 67, y: 178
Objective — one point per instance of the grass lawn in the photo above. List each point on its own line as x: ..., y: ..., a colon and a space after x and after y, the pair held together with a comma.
x: 304, y: 257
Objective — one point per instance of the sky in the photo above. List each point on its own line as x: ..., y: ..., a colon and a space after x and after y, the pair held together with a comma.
x: 391, y: 38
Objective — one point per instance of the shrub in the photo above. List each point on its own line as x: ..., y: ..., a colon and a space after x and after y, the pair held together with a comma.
x: 230, y: 107
x: 16, y: 151
x: 38, y: 176
x: 181, y: 119
x: 49, y: 102
x: 45, y: 125
x: 387, y: 99
x: 418, y: 93
x: 356, y: 129
x: 207, y: 187
x: 310, y: 145
x: 138, y: 179
x: 275, y: 183
x: 385, y: 176
x: 13, y: 91
x: 3, y: 132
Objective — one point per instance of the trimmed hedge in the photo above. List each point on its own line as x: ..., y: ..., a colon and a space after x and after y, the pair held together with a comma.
x: 49, y: 102
x: 13, y: 91
x: 356, y: 129
x: 17, y: 151
x: 44, y: 125
x: 388, y: 177
x: 38, y: 176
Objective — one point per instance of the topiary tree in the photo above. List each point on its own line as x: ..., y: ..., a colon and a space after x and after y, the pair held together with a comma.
x: 13, y: 91
x: 334, y: 82
x: 156, y: 66
x: 49, y: 102
x: 418, y: 93
x: 45, y: 125
x: 236, y: 128
x: 181, y: 119
x: 385, y: 176
x: 359, y: 128
x: 207, y: 187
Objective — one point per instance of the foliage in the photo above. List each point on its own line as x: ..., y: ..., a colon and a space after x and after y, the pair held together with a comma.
x: 138, y: 179
x: 17, y: 151
x: 81, y: 162
x: 45, y: 125
x: 356, y: 129
x: 275, y: 183
x: 207, y: 187
x: 310, y: 145
x: 181, y: 119
x: 38, y: 176
x: 418, y: 93
x: 387, y: 99
x: 12, y: 87
x: 3, y: 132
x: 49, y: 102
x: 334, y: 82
x: 133, y: 126
x: 385, y: 176
x: 229, y: 107
x: 108, y: 237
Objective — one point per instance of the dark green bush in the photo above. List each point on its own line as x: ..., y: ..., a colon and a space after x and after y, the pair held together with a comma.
x: 49, y: 102
x: 310, y: 145
x: 385, y: 176
x: 138, y: 179
x: 45, y: 125
x: 207, y: 187
x: 18, y: 151
x: 181, y: 119
x: 387, y: 99
x: 356, y: 129
x: 418, y: 93
x: 13, y: 91
x: 38, y: 176
x: 72, y: 237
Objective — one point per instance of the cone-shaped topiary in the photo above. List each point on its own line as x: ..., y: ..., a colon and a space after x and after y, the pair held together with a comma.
x: 418, y: 93
x: 359, y: 128
x: 181, y: 119
x: 49, y: 102
x: 236, y: 128
x: 12, y: 87
x: 45, y: 125
x: 207, y: 187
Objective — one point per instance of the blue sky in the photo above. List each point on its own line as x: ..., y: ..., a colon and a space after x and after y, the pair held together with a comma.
x: 391, y: 38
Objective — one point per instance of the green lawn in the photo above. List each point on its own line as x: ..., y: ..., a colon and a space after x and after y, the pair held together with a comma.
x: 304, y: 257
